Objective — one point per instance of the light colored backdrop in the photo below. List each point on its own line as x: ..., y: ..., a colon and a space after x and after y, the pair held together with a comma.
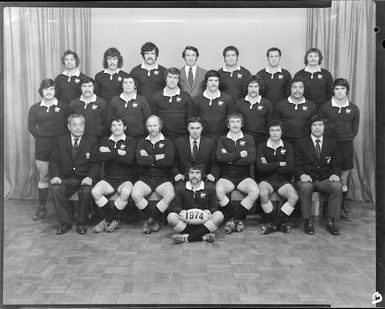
x: 251, y: 30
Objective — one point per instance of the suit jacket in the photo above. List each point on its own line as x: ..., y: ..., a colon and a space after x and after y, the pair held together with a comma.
x: 306, y: 161
x: 84, y: 164
x: 197, y: 85
x: 206, y: 154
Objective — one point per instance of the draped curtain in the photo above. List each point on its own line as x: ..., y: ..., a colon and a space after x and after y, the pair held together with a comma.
x: 34, y: 41
x: 345, y: 35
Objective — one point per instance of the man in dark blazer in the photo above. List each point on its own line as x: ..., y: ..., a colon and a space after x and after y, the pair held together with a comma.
x: 205, y: 152
x: 192, y: 75
x: 318, y: 168
x: 73, y: 167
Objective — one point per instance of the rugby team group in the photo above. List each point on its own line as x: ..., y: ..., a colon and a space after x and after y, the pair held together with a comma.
x: 193, y: 136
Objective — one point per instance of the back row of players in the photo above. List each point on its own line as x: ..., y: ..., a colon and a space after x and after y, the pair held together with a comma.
x: 174, y: 106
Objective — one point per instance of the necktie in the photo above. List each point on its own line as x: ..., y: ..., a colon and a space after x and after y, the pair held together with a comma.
x: 195, y: 150
x: 75, y: 147
x: 317, y: 147
x: 190, y: 77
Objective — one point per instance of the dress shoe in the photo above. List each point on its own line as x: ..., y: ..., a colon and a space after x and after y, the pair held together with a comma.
x: 81, y: 228
x: 331, y: 227
x: 64, y: 228
x: 309, y: 228
x: 344, y: 214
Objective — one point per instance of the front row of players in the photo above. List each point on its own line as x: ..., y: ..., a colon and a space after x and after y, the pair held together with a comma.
x: 198, y: 207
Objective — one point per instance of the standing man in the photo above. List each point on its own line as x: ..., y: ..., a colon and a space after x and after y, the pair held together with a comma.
x: 294, y: 112
x: 233, y: 76
x: 155, y: 155
x: 236, y: 152
x: 192, y: 75
x: 172, y: 105
x: 275, y: 167
x: 256, y: 111
x: 343, y: 119
x: 73, y: 167
x: 277, y: 80
x: 213, y: 106
x: 109, y: 81
x: 133, y: 108
x: 117, y: 152
x: 149, y: 74
x: 318, y: 168
x: 318, y: 81
x: 191, y: 194
x: 67, y: 84
x: 92, y: 108
x: 195, y: 147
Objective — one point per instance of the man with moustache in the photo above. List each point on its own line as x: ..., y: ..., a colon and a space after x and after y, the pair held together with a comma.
x: 155, y: 155
x: 294, y: 112
x: 172, y: 105
x: 236, y: 152
x: 198, y: 147
x: 109, y: 81
x: 93, y: 109
x: 192, y: 75
x: 213, y: 106
x: 149, y: 74
x: 131, y: 107
x: 67, y: 84
x: 73, y: 167
x: 194, y: 193
x: 318, y: 168
x: 233, y: 76
x: 277, y: 80
x: 256, y: 110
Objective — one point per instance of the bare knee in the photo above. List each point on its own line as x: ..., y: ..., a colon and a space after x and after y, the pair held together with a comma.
x: 217, y: 218
x: 173, y: 218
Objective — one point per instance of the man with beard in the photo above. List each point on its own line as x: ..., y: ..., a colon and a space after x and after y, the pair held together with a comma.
x: 195, y: 194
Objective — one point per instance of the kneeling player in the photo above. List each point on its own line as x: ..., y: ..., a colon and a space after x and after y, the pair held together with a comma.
x: 118, y: 153
x: 195, y: 211
x: 236, y: 152
x: 275, y: 164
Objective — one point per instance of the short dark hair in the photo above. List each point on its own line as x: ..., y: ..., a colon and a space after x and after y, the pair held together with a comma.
x: 234, y: 115
x: 194, y: 49
x: 196, y: 165
x: 172, y: 71
x: 112, y: 52
x: 117, y: 118
x: 45, y: 83
x: 70, y: 52
x: 315, y: 118
x: 273, y: 49
x: 127, y: 76
x: 297, y: 79
x: 256, y: 79
x: 86, y: 80
x: 230, y: 48
x: 314, y: 50
x: 341, y: 82
x: 210, y: 73
x: 195, y: 119
x: 147, y: 47
x: 274, y: 123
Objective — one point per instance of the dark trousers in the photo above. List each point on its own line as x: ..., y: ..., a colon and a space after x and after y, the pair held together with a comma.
x: 332, y: 190
x: 61, y: 193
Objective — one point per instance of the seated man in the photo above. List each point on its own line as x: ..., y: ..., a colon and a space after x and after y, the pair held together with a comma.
x: 73, y: 167
x: 191, y: 194
x: 155, y: 155
x: 118, y: 154
x: 236, y: 152
x: 318, y: 168
x: 275, y: 166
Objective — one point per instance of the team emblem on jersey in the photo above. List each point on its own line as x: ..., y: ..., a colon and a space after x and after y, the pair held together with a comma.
x: 283, y: 151
x: 348, y: 110
x: 161, y: 145
x: 320, y: 76
x: 88, y: 155
x: 77, y: 80
x: 119, y: 78
x: 123, y: 146
x: 280, y: 76
x: 57, y: 109
x: 156, y: 72
x: 178, y: 99
x: 240, y: 75
x: 260, y: 107
x: 203, y: 194
x: 134, y: 104
x: 304, y: 108
x: 220, y: 103
x: 94, y: 107
x: 328, y: 159
x: 242, y: 143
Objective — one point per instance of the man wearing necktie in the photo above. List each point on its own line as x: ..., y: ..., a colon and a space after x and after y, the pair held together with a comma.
x: 318, y: 168
x: 73, y: 168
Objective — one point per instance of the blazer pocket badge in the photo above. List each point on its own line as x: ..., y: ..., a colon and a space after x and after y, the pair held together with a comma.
x: 328, y: 160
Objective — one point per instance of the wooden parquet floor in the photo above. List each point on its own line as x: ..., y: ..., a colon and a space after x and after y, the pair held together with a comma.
x: 128, y: 267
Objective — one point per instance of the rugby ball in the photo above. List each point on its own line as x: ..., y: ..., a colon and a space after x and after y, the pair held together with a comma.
x: 195, y: 216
